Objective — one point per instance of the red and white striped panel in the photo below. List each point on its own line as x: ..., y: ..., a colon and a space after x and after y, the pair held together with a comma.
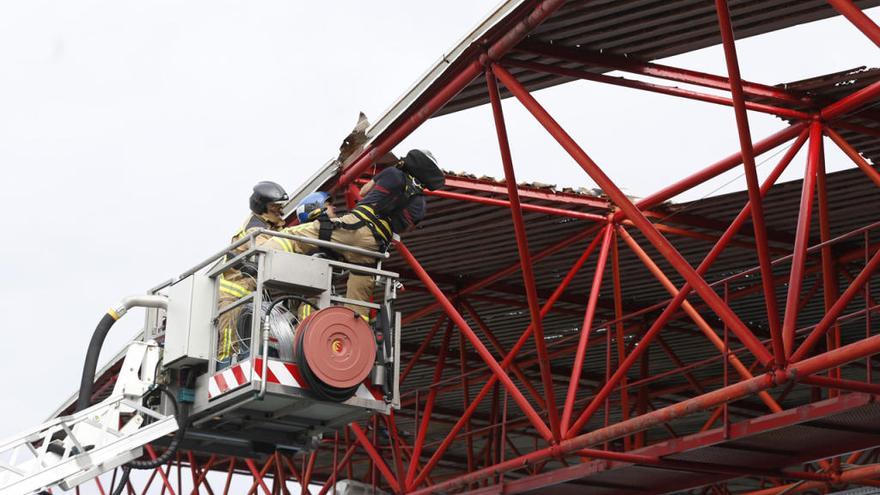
x: 279, y: 372
x: 229, y: 379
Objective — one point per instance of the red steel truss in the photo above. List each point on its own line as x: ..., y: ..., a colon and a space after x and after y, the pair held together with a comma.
x: 613, y: 407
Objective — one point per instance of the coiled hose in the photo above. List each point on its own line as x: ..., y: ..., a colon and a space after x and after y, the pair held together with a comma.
x: 317, y: 388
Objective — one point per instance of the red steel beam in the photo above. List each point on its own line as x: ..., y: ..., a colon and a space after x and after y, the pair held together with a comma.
x: 501, y: 274
x: 841, y: 384
x: 802, y: 237
x: 850, y: 102
x: 568, y: 198
x: 429, y: 406
x: 484, y: 353
x: 373, y: 151
x: 548, y: 305
x: 701, y: 323
x: 525, y: 256
x: 652, y: 69
x: 499, y: 348
x: 682, y: 294
x: 424, y: 345
x: 560, y: 212
x: 830, y: 289
x: 854, y: 155
x: 853, y: 476
x: 751, y: 173
x: 816, y: 364
x: 838, y: 307
x: 858, y: 19
x: 654, y: 88
x: 716, y: 169
x: 583, y: 340
x: 632, y: 212
x: 375, y: 457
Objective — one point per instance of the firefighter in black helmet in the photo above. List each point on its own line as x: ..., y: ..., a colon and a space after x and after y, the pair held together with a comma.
x: 266, y: 202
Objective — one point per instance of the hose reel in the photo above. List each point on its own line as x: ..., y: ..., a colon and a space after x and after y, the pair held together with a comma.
x: 335, y: 350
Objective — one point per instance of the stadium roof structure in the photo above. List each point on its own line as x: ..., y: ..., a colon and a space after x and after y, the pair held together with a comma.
x: 596, y: 343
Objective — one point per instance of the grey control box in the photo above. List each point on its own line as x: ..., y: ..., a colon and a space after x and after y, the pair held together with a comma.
x: 188, y: 324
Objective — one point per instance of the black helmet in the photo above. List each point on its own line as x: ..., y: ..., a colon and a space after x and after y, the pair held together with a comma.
x: 266, y: 192
x: 422, y: 165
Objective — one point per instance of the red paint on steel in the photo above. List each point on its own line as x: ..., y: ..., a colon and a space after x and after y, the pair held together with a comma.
x: 830, y: 359
x: 455, y: 316
x: 801, y: 238
x: 858, y: 18
x: 748, y: 154
x: 584, y: 338
x: 513, y: 36
x: 654, y: 88
x: 548, y: 305
x: 522, y: 243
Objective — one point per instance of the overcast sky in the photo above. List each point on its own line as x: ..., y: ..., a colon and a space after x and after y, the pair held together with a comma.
x: 131, y: 133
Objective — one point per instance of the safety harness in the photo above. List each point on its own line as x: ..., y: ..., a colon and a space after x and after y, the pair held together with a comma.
x: 377, y: 217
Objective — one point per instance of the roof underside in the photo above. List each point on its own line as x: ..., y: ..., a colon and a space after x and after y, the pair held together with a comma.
x: 641, y: 29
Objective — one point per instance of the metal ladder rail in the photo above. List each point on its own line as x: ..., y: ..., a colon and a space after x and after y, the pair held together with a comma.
x: 69, y: 450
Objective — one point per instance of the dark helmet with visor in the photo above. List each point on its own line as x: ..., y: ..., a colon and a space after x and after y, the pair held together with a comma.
x: 266, y: 192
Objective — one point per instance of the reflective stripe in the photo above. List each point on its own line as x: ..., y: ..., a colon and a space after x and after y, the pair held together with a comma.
x: 305, y: 310
x: 285, y: 244
x: 233, y: 289
x: 383, y: 223
x: 381, y: 228
x: 225, y: 350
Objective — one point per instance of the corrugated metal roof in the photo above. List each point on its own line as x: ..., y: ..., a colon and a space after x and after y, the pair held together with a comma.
x: 640, y: 29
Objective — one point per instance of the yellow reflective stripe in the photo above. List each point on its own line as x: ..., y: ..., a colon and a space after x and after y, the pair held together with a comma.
x: 225, y: 344
x: 233, y: 289
x: 285, y: 244
x: 367, y: 219
x: 384, y: 225
x: 384, y: 222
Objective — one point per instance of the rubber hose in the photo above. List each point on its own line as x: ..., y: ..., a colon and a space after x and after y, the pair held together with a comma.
x: 318, y: 388
x: 126, y: 471
x: 91, y: 365
x: 175, y: 442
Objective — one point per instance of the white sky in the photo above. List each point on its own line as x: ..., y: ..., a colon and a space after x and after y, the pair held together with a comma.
x: 131, y: 133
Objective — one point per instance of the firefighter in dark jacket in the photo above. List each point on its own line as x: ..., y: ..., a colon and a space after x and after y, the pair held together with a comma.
x: 392, y: 203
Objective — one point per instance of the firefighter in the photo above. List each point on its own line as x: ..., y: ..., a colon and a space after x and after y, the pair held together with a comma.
x: 392, y: 203
x: 265, y: 203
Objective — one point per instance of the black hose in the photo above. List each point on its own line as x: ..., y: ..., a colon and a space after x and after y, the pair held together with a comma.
x: 91, y: 365
x: 85, y: 395
x: 123, y: 480
x: 175, y: 442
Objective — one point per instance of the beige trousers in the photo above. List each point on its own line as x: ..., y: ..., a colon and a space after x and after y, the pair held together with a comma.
x: 358, y: 287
